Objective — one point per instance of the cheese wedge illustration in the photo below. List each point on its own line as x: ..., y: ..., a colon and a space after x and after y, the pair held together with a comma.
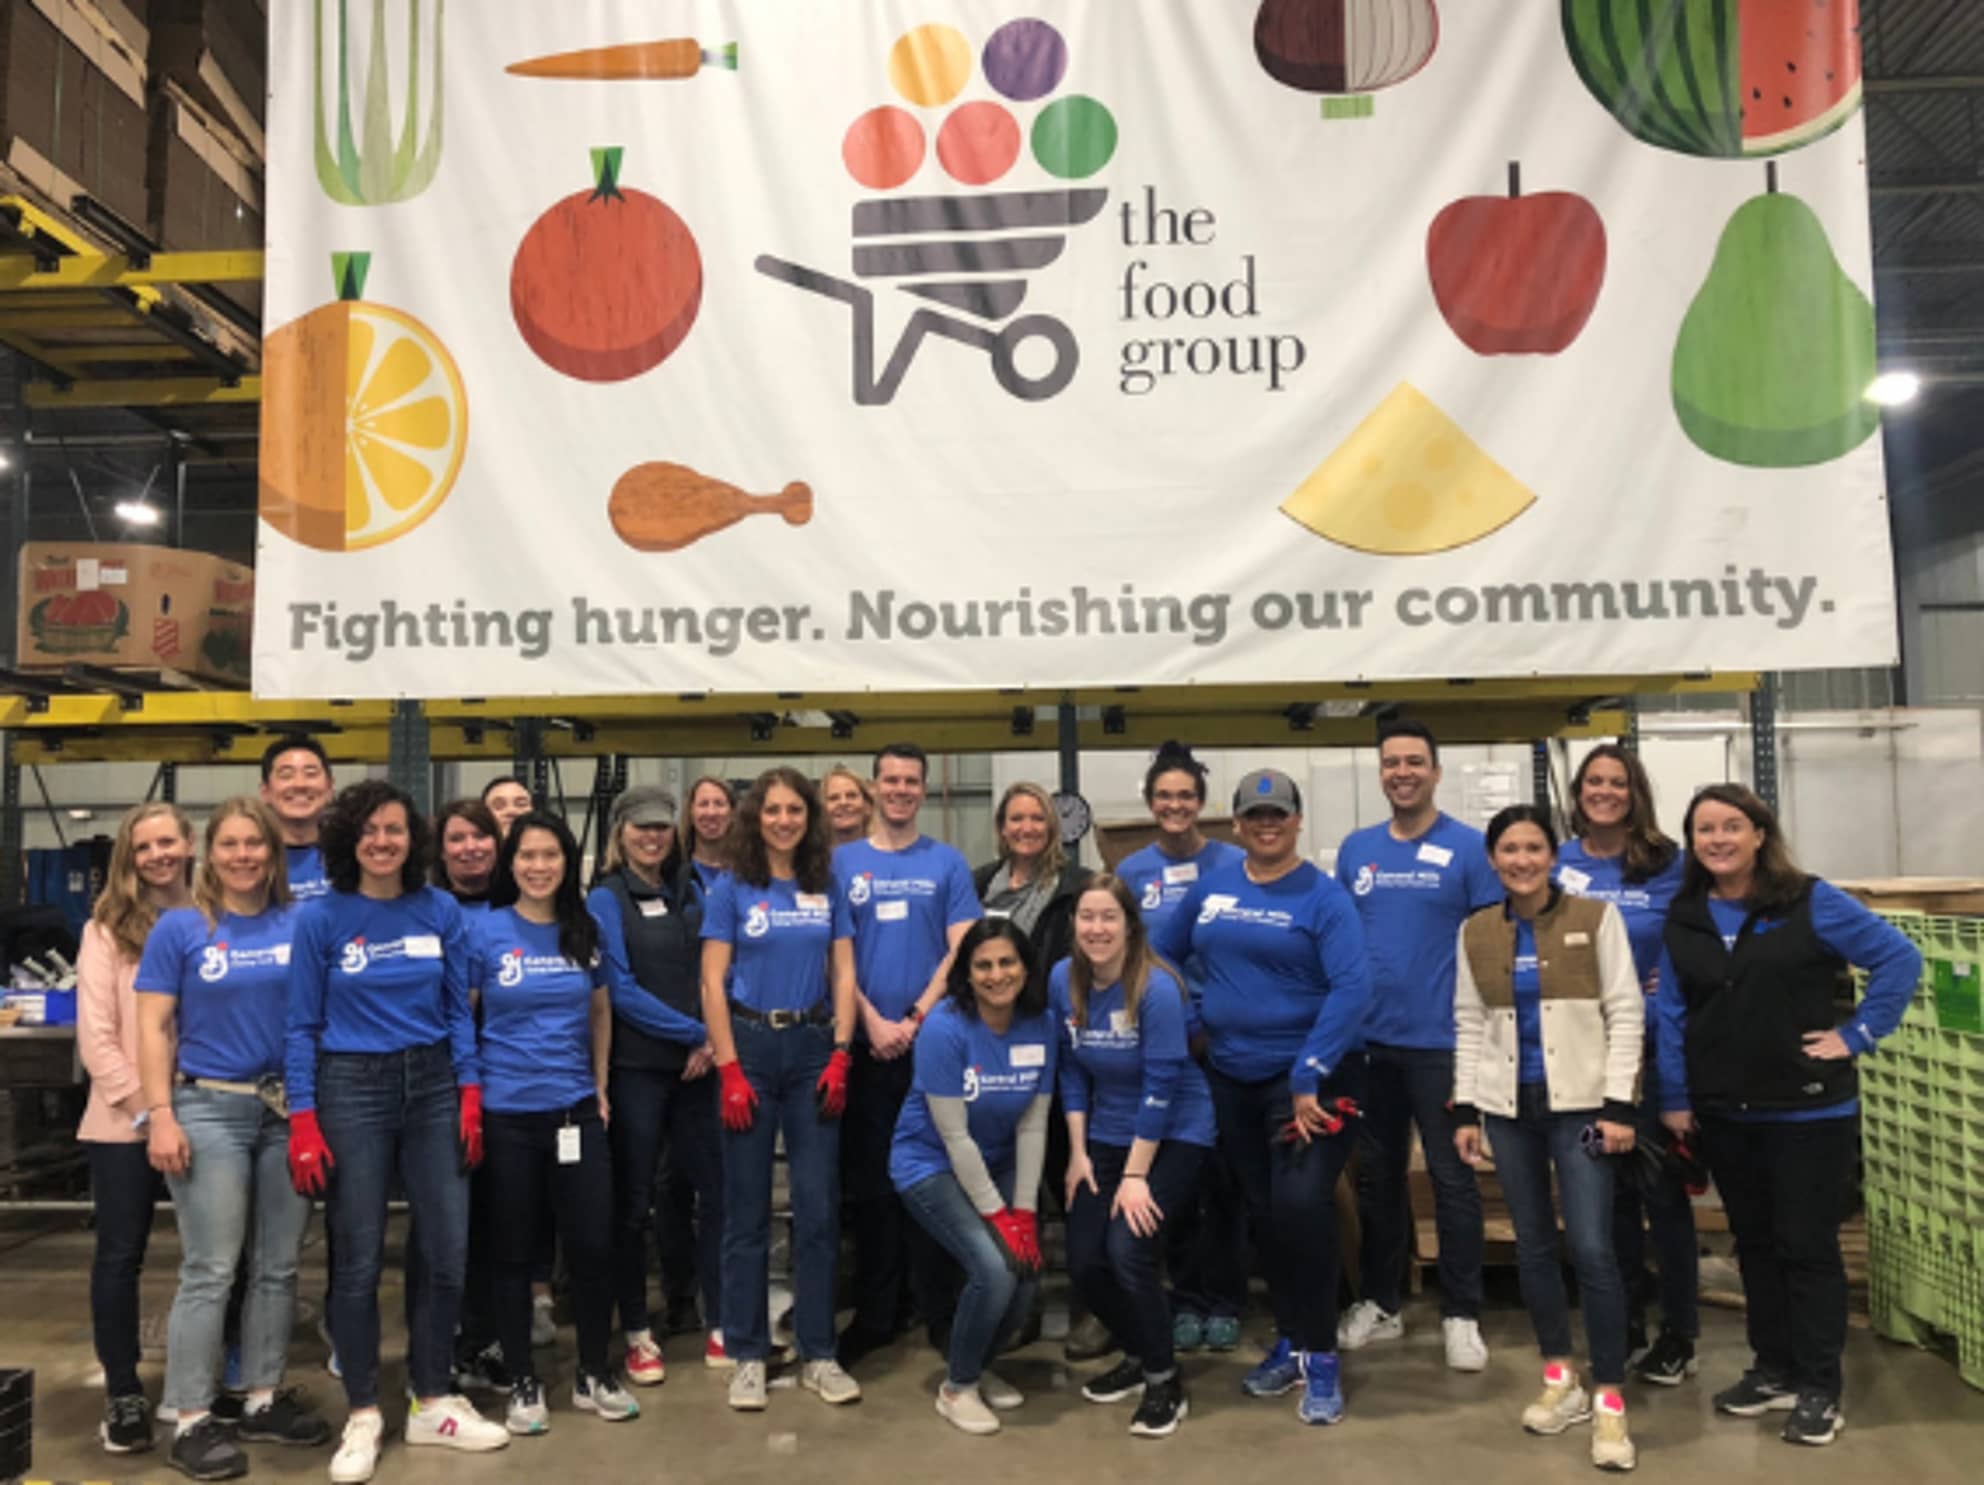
x: 1407, y: 482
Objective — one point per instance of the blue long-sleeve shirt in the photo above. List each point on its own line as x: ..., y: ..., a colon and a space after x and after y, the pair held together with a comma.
x: 1847, y: 928
x: 373, y: 975
x: 635, y: 1006
x: 1287, y: 982
x: 1134, y: 1081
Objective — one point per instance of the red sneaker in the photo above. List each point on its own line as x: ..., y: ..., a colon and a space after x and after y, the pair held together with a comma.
x: 644, y: 1366
x: 713, y: 1353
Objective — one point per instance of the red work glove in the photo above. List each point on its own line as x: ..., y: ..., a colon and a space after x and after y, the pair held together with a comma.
x: 830, y: 1093
x: 740, y: 1099
x: 309, y: 1156
x: 1019, y: 1236
x: 471, y: 1126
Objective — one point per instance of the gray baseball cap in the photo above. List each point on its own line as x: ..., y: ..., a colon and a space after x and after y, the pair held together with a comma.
x: 644, y: 804
x: 1267, y: 789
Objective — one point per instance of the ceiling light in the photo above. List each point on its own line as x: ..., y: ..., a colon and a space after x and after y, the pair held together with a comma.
x: 136, y: 513
x: 1894, y: 388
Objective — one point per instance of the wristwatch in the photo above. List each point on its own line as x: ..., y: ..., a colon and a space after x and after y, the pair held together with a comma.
x: 914, y: 1015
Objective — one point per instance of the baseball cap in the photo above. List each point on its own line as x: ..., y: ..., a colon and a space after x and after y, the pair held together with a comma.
x: 1267, y: 789
x: 644, y: 804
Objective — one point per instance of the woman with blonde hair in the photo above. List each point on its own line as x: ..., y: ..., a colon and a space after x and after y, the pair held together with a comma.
x: 1034, y: 882
x: 850, y: 803
x: 212, y: 994
x: 151, y: 871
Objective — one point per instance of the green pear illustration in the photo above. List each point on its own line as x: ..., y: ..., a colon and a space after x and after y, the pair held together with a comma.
x: 1777, y: 351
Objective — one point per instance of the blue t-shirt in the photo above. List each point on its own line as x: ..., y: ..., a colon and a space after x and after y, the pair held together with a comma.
x: 1412, y: 896
x: 1642, y: 904
x: 373, y: 975
x: 779, y: 939
x: 305, y: 867
x: 536, y: 1015
x: 998, y: 1077
x: 1133, y: 1081
x: 1286, y: 979
x: 232, y: 981
x: 1848, y: 928
x: 1527, y: 985
x: 1160, y: 881
x: 904, y: 903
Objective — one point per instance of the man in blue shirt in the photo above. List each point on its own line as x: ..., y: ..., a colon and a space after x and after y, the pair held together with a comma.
x: 912, y: 900
x: 296, y: 785
x: 1414, y: 878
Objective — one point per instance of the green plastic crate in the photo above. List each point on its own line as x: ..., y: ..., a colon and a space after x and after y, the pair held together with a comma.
x: 1959, y: 995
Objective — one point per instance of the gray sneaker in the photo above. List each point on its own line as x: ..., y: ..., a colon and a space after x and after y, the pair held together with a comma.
x: 747, y: 1387
x: 828, y: 1379
x: 604, y: 1396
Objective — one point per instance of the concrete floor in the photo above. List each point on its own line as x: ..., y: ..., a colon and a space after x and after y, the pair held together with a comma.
x: 1910, y: 1417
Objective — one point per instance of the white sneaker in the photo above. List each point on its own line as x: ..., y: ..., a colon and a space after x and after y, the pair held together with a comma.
x: 1364, y: 1323
x: 1466, y: 1351
x: 1611, y: 1446
x: 829, y: 1380
x: 1557, y: 1406
x: 358, y: 1450
x: 543, y: 1322
x: 747, y: 1387
x: 527, y: 1413
x: 604, y: 1396
x: 999, y: 1394
x: 964, y: 1409
x: 453, y: 1423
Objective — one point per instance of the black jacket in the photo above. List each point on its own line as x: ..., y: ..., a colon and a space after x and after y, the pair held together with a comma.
x: 663, y: 931
x: 1750, y: 1006
x: 1053, y: 936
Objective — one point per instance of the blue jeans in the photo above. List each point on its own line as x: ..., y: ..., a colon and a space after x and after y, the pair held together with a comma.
x: 1408, y: 1086
x: 995, y: 1300
x: 1205, y: 1243
x: 384, y: 1112
x: 1525, y: 1149
x: 782, y: 1066
x: 653, y: 1106
x: 1118, y: 1274
x: 1667, y: 1213
x: 236, y: 1190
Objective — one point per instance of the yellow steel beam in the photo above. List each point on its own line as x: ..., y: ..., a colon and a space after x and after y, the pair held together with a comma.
x: 140, y: 391
x: 36, y: 222
x: 115, y: 270
x: 189, y: 709
x: 145, y: 353
x: 41, y: 321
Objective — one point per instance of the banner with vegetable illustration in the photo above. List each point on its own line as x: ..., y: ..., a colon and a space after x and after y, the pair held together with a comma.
x: 787, y: 346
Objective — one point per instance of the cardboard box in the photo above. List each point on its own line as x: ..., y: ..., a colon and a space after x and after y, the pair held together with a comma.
x: 72, y: 105
x: 217, y: 50
x: 205, y: 189
x: 1116, y: 839
x: 133, y: 606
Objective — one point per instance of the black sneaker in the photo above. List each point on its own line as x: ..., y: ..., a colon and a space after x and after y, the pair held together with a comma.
x: 1162, y: 1408
x: 1668, y: 1361
x: 1124, y: 1379
x: 229, y: 1406
x: 1755, y: 1394
x: 207, y: 1451
x: 127, y: 1424
x: 482, y: 1370
x: 285, y: 1421
x: 1815, y: 1419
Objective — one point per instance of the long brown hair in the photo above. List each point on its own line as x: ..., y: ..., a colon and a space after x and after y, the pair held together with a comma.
x: 1777, y: 882
x: 123, y: 910
x: 208, y: 896
x: 1139, y: 959
x: 1648, y: 850
x: 812, y: 862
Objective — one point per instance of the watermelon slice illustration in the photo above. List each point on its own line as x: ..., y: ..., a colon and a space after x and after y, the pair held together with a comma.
x: 1727, y: 79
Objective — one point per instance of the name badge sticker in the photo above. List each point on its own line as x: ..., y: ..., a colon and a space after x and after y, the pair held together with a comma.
x: 282, y: 953
x: 423, y: 945
x: 1120, y: 1023
x: 1576, y: 940
x: 894, y: 910
x: 811, y: 902
x: 652, y: 907
x: 1435, y: 855
x: 1573, y: 880
x: 1185, y: 871
x: 568, y: 1144
x: 1031, y: 1054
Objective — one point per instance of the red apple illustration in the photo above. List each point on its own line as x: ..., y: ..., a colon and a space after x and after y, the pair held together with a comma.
x: 1517, y: 274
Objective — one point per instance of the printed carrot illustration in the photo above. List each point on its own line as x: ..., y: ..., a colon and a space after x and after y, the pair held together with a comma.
x: 662, y: 507
x: 630, y: 61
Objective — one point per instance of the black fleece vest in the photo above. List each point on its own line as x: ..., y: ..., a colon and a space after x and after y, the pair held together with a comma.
x: 665, y: 953
x: 1750, y: 1006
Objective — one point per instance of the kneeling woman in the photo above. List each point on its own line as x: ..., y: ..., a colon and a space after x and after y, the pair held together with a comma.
x: 211, y: 988
x: 1547, y: 1037
x: 1139, y: 1124
x: 778, y: 998
x: 968, y: 1151
x: 547, y: 1030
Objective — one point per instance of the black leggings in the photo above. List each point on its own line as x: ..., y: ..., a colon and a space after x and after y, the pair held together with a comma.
x: 123, y: 1187
x: 520, y: 1164
x: 1121, y: 1275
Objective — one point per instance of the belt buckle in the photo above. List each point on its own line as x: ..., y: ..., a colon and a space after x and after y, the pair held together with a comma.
x: 782, y: 1020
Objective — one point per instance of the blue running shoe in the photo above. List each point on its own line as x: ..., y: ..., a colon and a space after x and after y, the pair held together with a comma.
x: 1278, y: 1372
x: 1322, y: 1391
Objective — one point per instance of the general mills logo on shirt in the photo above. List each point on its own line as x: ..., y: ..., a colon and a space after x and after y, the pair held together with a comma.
x: 353, y: 960
x: 970, y: 1084
x: 860, y: 887
x: 758, y: 922
x: 1153, y: 895
x: 510, y: 970
x: 1367, y: 878
x: 213, y: 962
x: 1215, y: 903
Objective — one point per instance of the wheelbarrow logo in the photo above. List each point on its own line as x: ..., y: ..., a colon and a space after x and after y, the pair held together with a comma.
x: 968, y: 253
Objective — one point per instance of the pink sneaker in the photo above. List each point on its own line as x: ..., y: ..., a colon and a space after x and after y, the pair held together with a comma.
x: 644, y: 1366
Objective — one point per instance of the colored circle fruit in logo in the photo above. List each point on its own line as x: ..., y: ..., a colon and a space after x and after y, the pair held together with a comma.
x: 883, y: 148
x: 1025, y: 60
x: 1074, y: 137
x: 930, y: 65
x: 978, y: 143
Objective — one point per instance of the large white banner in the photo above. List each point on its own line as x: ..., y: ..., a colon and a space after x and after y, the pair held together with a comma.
x: 785, y: 345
